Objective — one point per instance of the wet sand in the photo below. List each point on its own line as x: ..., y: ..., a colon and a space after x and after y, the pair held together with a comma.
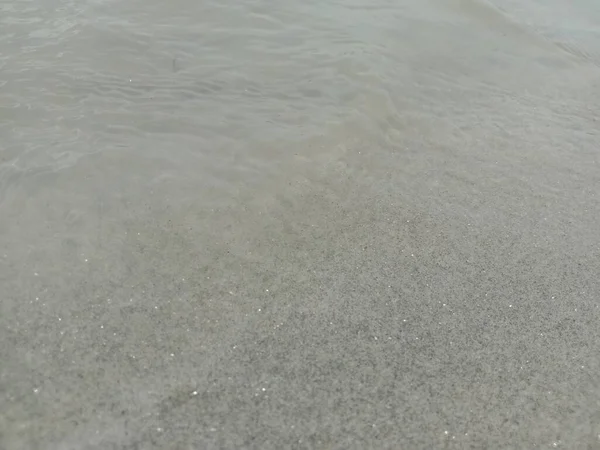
x: 390, y: 242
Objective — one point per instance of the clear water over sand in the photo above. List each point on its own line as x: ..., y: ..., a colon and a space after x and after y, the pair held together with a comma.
x: 350, y: 224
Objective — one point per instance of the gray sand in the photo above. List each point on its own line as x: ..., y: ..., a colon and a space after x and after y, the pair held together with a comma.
x: 390, y: 244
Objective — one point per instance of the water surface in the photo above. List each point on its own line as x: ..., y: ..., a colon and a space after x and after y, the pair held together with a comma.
x: 339, y: 224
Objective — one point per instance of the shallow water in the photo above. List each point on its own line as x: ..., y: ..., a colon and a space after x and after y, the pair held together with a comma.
x: 346, y: 224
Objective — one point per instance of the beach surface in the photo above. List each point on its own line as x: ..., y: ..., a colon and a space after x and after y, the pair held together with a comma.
x: 299, y: 225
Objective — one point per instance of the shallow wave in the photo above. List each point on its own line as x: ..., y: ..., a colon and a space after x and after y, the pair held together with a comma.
x: 223, y: 79
x: 573, y: 27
